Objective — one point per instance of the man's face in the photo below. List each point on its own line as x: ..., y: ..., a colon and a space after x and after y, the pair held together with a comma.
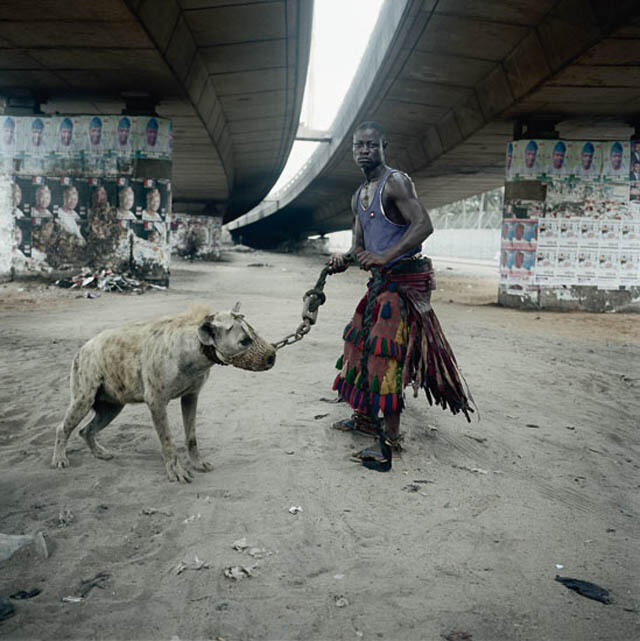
x: 36, y: 137
x: 65, y: 136
x: 586, y: 159
x: 519, y: 259
x: 95, y: 133
x: 368, y: 148
x: 153, y: 200
x: 636, y: 147
x: 636, y: 167
x: 123, y: 135
x: 43, y: 198
x: 152, y: 135
x: 529, y: 159
x: 100, y: 196
x: 70, y: 199
x: 558, y: 159
x: 126, y: 198
x: 519, y: 233
x: 616, y: 160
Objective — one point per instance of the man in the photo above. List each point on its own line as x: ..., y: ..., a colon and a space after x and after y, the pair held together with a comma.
x: 635, y: 171
x: 530, y: 154
x: 586, y: 159
x: 151, y: 134
x: 126, y: 199
x: 66, y: 134
x: 43, y: 200
x: 68, y: 218
x: 615, y: 159
x: 150, y: 215
x: 95, y: 135
x: 122, y: 135
x: 557, y: 157
x: 394, y: 338
x: 37, y: 133
x: 635, y: 151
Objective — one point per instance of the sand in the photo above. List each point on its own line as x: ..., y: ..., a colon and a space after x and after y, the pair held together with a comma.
x: 547, y: 478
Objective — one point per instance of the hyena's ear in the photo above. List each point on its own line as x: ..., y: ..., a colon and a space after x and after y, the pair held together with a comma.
x: 213, y: 328
x: 236, y: 308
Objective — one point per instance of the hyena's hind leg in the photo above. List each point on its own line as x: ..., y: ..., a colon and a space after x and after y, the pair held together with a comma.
x: 105, y: 413
x: 83, y: 394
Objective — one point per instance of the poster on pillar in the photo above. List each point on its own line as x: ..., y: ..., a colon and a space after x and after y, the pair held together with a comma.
x: 615, y: 163
x: 76, y: 201
x: 584, y: 160
x: 532, y: 159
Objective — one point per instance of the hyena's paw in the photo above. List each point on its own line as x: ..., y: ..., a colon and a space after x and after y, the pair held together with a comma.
x: 176, y: 472
x: 201, y: 465
x: 59, y: 459
x: 99, y: 451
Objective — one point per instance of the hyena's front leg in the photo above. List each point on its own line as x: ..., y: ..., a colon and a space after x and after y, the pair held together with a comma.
x: 189, y: 404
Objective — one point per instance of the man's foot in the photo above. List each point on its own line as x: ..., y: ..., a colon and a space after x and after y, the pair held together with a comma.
x: 374, y: 454
x: 359, y: 424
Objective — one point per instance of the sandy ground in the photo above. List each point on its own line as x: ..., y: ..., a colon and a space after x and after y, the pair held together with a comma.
x: 548, y: 477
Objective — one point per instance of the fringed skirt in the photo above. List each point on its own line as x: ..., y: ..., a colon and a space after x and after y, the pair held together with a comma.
x: 394, y: 340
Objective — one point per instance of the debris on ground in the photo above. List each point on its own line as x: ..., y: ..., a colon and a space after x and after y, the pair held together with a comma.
x: 196, y: 565
x: 192, y: 518
x: 475, y: 470
x: 66, y: 517
x: 10, y: 543
x: 585, y: 588
x: 237, y: 572
x: 341, y: 601
x: 294, y: 509
x: 479, y: 439
x: 107, y: 281
x: 289, y: 452
x: 319, y: 416
x: 240, y: 544
x: 72, y: 599
x: 413, y: 487
x: 154, y: 510
x: 532, y: 425
x: 86, y: 585
x: 457, y: 635
x: 330, y: 400
x: 25, y: 594
x: 6, y: 609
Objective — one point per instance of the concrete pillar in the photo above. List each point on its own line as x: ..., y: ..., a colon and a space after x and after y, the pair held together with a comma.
x: 571, y: 223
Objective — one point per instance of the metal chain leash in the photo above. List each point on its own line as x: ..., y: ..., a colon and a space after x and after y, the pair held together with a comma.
x: 311, y: 302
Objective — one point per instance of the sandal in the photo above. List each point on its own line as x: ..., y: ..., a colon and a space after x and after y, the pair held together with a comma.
x: 359, y: 424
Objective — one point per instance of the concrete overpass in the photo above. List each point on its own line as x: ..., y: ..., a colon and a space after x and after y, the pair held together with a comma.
x: 229, y: 73
x: 450, y: 84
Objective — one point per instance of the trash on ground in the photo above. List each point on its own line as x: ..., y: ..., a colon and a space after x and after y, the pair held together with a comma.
x: 290, y: 452
x: 10, y: 543
x: 154, y: 510
x: 259, y: 265
x: 237, y: 572
x: 570, y: 427
x: 559, y: 566
x: 533, y: 425
x: 72, y: 599
x: 25, y: 594
x: 475, y: 470
x: 86, y: 585
x: 6, y: 609
x: 341, y: 602
x: 585, y: 588
x: 422, y: 481
x: 414, y: 488
x: 93, y: 294
x: 294, y: 509
x: 107, y: 281
x: 240, y: 544
x: 319, y: 416
x: 457, y: 635
x: 480, y: 439
x: 330, y: 400
x: 192, y: 518
x: 196, y: 565
x: 258, y: 553
x: 66, y: 517
x: 338, y: 577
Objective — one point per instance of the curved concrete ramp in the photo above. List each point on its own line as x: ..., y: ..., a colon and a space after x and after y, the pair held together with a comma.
x: 456, y: 78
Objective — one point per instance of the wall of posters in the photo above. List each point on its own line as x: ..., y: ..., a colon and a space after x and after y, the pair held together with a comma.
x: 587, y: 231
x: 76, y: 199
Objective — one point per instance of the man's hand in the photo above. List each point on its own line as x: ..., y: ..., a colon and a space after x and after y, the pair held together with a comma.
x: 368, y: 259
x: 339, y: 263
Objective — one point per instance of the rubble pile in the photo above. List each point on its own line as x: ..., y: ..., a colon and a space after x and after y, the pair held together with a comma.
x: 107, y: 281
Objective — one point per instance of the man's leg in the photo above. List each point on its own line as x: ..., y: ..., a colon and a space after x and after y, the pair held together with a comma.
x: 392, y: 426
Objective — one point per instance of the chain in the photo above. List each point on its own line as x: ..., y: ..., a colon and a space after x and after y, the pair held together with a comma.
x: 311, y: 304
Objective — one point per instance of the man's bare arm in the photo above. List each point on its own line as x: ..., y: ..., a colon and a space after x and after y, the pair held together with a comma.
x: 400, y: 192
x: 340, y: 262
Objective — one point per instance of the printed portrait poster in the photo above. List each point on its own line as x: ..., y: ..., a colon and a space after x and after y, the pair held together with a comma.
x: 509, y: 168
x: 22, y: 237
x: 629, y: 268
x: 545, y: 265
x: 507, y: 259
x: 585, y: 159
x: 566, y: 259
x: 67, y: 136
x: 38, y: 158
x: 521, y: 271
x: 630, y: 236
x: 9, y: 135
x: 152, y: 137
x: 588, y: 233
x: 96, y: 136
x: 615, y: 161
x: 607, y: 271
x: 532, y: 159
x: 524, y: 234
x: 568, y: 230
x: 586, y: 266
x: 123, y: 141
x: 548, y: 232
x: 558, y: 166
x: 507, y: 234
x: 609, y: 234
x: 634, y: 191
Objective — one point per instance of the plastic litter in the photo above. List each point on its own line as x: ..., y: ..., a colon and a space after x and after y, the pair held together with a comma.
x: 294, y: 509
x: 10, y: 543
x: 585, y: 588
x: 240, y: 544
x: 341, y: 602
x: 238, y: 572
x: 196, y: 565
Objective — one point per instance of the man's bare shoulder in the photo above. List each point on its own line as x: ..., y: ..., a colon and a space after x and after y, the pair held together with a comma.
x: 399, y: 185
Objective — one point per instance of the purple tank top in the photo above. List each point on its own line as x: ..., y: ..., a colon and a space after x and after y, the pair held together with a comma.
x: 379, y: 232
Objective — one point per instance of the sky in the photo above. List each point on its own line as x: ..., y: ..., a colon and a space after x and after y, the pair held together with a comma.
x: 340, y: 33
